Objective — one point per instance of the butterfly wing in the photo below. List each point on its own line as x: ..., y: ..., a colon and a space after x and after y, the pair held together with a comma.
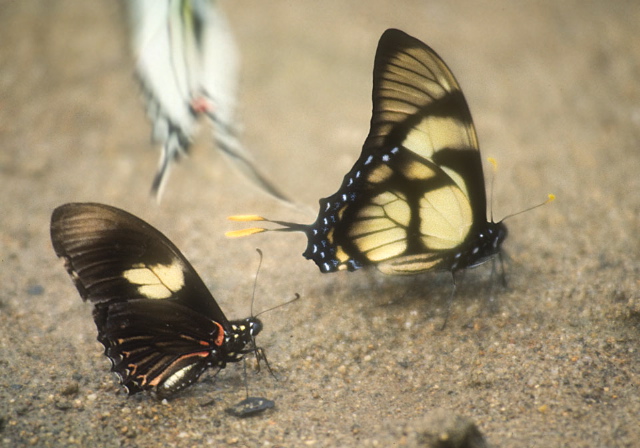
x: 114, y: 256
x: 167, y: 67
x: 418, y: 106
x: 187, y: 63
x: 219, y: 85
x: 158, y: 345
x: 416, y: 194
x: 220, y: 66
x: 160, y: 325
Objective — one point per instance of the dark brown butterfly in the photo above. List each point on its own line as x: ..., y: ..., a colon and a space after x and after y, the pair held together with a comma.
x: 159, y: 324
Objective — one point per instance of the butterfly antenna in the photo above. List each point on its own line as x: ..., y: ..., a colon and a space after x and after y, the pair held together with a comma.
x: 494, y: 165
x: 259, y: 351
x: 286, y: 226
x: 246, y: 379
x: 255, y: 280
x: 262, y: 356
x: 550, y: 198
x: 255, y: 284
x: 295, y: 297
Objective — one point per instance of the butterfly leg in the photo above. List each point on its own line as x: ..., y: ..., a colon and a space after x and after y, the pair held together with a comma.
x: 492, y: 302
x: 503, y: 274
x: 454, y: 276
x: 246, y: 379
x: 261, y: 355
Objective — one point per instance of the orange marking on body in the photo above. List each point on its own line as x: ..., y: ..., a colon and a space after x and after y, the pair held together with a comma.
x: 201, y: 105
x: 220, y: 339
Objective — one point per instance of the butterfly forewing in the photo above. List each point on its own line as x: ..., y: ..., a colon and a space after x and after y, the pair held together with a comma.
x: 114, y: 256
x: 416, y: 195
x: 416, y: 100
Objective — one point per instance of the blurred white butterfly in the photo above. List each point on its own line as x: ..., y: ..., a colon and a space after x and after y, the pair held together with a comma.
x: 187, y: 63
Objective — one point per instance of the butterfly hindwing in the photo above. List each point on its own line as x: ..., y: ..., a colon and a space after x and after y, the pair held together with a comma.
x: 415, y: 199
x: 146, y: 351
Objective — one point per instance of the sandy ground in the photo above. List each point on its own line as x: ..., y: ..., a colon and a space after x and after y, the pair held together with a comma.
x: 361, y: 358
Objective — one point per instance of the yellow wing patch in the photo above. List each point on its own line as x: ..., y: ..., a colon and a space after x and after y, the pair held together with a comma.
x: 387, y: 197
x: 380, y: 174
x: 383, y: 245
x: 370, y: 226
x: 158, y: 281
x: 458, y: 179
x: 392, y: 205
x: 415, y: 170
x: 379, y: 230
x: 342, y: 257
x: 445, y: 218
x: 435, y: 133
x: 371, y: 211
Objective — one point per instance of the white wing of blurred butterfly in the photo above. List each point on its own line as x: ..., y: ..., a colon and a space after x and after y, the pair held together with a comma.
x: 187, y: 64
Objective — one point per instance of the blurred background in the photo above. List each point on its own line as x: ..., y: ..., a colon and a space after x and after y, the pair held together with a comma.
x: 553, y: 89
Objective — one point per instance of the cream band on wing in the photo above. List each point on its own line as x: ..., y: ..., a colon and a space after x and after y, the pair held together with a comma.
x: 158, y: 281
x: 445, y: 218
x: 434, y: 133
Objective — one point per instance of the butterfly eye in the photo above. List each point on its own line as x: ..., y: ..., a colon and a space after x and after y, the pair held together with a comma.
x: 256, y: 327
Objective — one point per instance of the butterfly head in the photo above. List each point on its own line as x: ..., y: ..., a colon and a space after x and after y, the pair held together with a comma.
x: 241, y: 339
x: 486, y: 244
x: 498, y: 233
x: 254, y: 325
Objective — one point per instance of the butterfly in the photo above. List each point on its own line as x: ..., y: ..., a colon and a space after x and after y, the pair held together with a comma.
x: 415, y: 199
x: 187, y: 64
x: 159, y: 324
